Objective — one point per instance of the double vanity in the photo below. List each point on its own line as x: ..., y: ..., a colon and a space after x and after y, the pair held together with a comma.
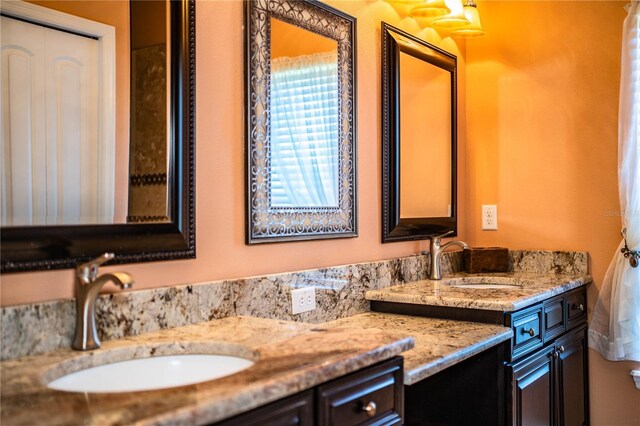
x: 438, y: 345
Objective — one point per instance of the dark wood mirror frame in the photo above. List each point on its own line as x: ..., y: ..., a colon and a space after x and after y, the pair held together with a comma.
x: 32, y: 248
x: 395, y: 228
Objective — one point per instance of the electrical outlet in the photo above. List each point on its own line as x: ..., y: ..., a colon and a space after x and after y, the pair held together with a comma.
x: 303, y: 300
x: 489, y: 217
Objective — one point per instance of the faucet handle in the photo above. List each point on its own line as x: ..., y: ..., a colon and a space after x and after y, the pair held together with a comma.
x: 89, y: 270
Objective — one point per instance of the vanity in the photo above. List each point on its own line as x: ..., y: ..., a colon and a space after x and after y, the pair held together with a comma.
x: 297, y: 367
x: 408, y: 365
x: 349, y: 371
x: 546, y: 367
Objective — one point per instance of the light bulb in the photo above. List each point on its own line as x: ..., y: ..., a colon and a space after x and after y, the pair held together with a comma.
x: 455, y: 19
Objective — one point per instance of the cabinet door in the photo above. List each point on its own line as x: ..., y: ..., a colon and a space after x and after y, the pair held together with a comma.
x: 532, y: 390
x: 571, y: 367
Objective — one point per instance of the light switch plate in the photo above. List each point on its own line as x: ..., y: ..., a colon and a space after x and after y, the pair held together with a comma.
x: 489, y: 217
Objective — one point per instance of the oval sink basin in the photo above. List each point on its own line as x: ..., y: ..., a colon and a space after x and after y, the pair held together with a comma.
x: 154, y: 373
x: 486, y: 286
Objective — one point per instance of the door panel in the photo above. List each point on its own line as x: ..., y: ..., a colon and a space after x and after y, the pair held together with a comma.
x: 533, y: 390
x: 72, y: 128
x: 572, y: 373
x: 23, y: 117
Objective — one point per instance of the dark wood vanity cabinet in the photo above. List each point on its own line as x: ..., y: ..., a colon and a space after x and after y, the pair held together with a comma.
x: 372, y: 396
x: 548, y: 381
x: 545, y: 368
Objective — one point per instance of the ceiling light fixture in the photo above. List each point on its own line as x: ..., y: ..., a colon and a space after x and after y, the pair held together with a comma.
x: 474, y: 30
x: 429, y: 9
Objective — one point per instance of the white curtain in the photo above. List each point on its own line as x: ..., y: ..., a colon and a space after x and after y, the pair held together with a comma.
x: 615, y: 327
x: 304, y: 131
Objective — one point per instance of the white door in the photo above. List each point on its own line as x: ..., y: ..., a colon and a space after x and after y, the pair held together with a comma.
x: 50, y: 126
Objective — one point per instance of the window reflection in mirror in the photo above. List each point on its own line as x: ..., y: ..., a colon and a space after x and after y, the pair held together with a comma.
x: 425, y: 121
x: 304, y: 149
x: 66, y: 159
x: 295, y: 126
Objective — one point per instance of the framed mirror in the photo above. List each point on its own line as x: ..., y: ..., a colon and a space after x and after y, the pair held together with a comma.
x: 418, y: 138
x: 115, y: 172
x: 300, y: 121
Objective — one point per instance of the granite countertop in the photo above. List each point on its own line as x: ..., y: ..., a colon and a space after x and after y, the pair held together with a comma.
x: 530, y: 288
x: 439, y: 343
x: 289, y: 357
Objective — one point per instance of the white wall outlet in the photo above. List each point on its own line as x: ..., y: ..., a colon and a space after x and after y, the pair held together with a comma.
x: 489, y: 217
x: 303, y: 300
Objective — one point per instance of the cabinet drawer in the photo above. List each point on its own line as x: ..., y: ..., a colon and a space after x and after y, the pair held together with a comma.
x: 374, y: 395
x: 576, y: 307
x: 527, y: 330
x: 297, y: 410
x: 553, y: 317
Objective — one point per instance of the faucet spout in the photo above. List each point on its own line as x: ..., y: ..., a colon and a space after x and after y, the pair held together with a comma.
x: 436, y: 249
x: 87, y: 287
x: 121, y: 279
x: 460, y: 244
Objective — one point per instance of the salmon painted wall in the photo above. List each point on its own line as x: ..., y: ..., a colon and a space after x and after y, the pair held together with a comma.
x: 542, y: 103
x: 220, y: 230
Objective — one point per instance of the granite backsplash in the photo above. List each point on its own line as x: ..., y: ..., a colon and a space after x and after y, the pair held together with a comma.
x: 43, y: 327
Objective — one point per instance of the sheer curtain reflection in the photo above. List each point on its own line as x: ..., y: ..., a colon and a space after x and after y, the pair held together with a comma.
x: 304, y: 131
x: 615, y: 327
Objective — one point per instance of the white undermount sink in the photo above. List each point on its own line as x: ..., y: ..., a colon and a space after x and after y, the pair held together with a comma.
x: 154, y: 373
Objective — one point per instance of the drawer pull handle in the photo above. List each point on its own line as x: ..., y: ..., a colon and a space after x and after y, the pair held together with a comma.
x: 579, y: 307
x: 561, y: 349
x: 531, y: 332
x: 370, y: 408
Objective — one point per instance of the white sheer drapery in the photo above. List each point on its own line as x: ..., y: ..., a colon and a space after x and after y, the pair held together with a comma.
x: 304, y: 131
x: 615, y: 327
